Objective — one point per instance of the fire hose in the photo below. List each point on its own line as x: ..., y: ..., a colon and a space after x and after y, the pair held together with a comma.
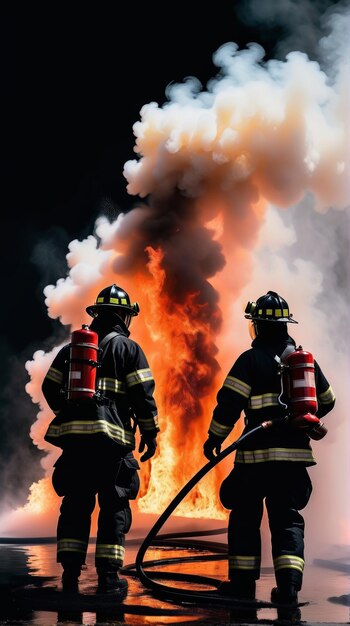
x: 189, y: 595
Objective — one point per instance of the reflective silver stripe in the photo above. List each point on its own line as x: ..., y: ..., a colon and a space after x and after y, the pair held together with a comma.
x: 219, y: 429
x: 303, y: 365
x: 109, y: 551
x: 304, y: 399
x: 55, y: 375
x: 91, y: 428
x: 111, y: 384
x: 266, y: 399
x: 140, y: 376
x: 327, y: 396
x: 274, y: 454
x: 289, y: 561
x: 72, y: 545
x: 148, y: 423
x: 244, y: 562
x: 237, y: 385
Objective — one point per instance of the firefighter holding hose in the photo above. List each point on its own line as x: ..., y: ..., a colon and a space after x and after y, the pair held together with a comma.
x: 100, y: 388
x: 272, y: 380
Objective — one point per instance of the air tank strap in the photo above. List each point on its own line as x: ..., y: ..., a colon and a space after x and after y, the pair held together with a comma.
x: 103, y: 343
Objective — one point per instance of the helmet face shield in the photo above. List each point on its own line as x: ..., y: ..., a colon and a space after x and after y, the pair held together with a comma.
x: 127, y: 319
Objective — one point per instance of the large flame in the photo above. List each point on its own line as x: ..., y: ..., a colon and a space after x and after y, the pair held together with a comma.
x: 185, y: 384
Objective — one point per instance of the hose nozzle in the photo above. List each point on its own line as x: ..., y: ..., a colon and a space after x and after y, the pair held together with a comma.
x: 267, y: 424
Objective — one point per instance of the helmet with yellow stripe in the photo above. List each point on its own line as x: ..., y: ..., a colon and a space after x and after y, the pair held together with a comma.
x: 269, y: 308
x: 115, y: 299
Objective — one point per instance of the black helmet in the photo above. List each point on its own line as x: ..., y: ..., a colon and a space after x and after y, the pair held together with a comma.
x: 113, y: 298
x: 269, y: 308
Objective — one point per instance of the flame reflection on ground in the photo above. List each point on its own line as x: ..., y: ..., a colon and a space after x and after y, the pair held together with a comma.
x: 34, y: 567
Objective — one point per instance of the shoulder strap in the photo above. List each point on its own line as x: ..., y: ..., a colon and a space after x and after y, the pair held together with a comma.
x: 290, y: 347
x: 288, y: 350
x: 103, y: 343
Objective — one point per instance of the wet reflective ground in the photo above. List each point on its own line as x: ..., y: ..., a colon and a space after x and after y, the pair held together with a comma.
x: 30, y: 591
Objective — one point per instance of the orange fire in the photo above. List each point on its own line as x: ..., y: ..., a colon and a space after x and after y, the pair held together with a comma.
x: 186, y: 379
x: 42, y: 498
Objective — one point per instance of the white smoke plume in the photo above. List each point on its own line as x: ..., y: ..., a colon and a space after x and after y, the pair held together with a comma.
x: 246, y: 188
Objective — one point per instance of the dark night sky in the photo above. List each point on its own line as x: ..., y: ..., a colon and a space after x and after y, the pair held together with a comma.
x: 73, y: 83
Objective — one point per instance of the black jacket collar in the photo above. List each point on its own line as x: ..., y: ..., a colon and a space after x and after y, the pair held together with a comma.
x: 277, y: 346
x: 102, y: 329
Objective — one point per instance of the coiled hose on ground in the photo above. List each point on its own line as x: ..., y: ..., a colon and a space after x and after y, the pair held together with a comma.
x: 189, y: 595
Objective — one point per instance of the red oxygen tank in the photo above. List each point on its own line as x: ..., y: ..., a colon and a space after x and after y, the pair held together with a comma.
x: 83, y: 361
x: 301, y: 389
x: 301, y: 386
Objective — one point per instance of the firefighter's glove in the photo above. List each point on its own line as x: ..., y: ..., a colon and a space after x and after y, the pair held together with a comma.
x: 211, y: 444
x: 150, y: 444
x: 311, y: 424
x: 306, y: 420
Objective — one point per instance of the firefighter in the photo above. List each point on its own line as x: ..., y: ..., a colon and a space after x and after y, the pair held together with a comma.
x: 97, y: 437
x: 271, y: 465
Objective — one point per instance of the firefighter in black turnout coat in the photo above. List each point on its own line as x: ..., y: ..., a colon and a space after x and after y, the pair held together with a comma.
x: 270, y: 465
x: 97, y: 440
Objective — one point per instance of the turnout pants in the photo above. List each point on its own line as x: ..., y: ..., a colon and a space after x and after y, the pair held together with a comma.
x: 286, y: 489
x: 79, y: 478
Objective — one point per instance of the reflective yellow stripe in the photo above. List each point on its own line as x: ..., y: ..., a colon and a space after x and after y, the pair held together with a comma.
x: 111, y: 384
x: 91, y: 428
x: 148, y: 423
x: 266, y: 399
x: 55, y: 375
x: 244, y: 562
x: 237, y: 385
x: 327, y: 396
x: 71, y: 545
x: 140, y: 376
x: 274, y: 454
x: 289, y: 561
x: 274, y: 312
x: 219, y: 429
x: 109, y: 551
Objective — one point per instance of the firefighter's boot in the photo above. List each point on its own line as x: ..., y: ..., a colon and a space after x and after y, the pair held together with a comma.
x: 286, y: 598
x: 110, y: 582
x: 285, y: 594
x: 243, y: 590
x: 238, y: 589
x: 70, y: 578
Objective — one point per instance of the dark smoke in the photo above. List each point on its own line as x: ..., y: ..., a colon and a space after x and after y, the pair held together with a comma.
x: 293, y: 24
x: 19, y: 460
